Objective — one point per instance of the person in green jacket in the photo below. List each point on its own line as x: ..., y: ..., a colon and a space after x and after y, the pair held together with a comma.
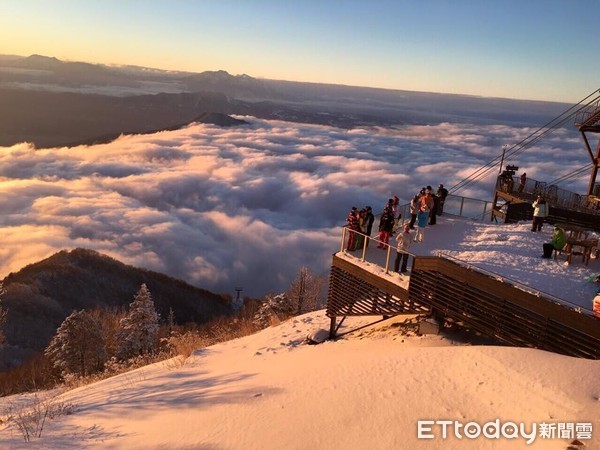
x: 559, y: 239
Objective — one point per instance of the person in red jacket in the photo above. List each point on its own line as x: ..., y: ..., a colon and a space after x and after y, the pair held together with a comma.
x: 353, y: 227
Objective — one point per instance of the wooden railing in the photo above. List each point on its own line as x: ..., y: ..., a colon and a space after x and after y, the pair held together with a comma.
x: 488, y: 303
x: 501, y: 310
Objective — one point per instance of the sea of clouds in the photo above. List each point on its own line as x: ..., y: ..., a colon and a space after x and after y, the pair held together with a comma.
x: 244, y: 206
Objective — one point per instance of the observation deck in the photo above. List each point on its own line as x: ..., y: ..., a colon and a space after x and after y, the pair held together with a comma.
x: 362, y: 284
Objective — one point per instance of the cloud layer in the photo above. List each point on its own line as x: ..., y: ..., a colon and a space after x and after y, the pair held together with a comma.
x: 245, y: 206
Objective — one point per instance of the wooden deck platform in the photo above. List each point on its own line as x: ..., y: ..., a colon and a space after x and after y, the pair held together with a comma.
x: 472, y: 299
x: 511, y: 206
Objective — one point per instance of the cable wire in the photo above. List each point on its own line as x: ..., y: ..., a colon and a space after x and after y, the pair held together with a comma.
x: 528, y: 141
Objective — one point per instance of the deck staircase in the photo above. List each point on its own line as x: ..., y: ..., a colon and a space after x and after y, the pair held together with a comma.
x: 588, y: 119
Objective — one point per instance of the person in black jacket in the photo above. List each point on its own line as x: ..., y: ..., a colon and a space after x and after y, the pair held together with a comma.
x: 370, y: 219
x: 386, y: 225
x: 434, y: 211
x: 441, y: 194
x: 415, y: 205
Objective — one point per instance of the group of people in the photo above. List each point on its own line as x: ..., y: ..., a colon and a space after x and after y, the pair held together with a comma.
x: 425, y: 206
x: 362, y: 222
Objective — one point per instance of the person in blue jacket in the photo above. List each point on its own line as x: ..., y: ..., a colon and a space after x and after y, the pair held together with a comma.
x: 422, y: 218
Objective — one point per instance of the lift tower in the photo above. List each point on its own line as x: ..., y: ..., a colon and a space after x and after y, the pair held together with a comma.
x: 588, y: 121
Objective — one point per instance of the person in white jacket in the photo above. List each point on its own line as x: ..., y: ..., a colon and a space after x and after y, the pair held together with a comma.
x: 540, y: 212
x: 415, y: 204
x: 403, y: 246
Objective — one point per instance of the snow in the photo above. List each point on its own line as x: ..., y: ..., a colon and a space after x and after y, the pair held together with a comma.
x: 511, y: 251
x: 366, y: 390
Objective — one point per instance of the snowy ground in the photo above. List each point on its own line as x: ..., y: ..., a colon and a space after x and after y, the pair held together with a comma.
x: 367, y: 390
x: 510, y: 250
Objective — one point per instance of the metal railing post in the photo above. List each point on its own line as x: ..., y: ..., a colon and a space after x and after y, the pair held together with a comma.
x: 387, y: 259
x: 364, y: 253
x: 343, y: 238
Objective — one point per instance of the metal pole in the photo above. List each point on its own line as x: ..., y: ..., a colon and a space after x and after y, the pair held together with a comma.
x: 343, y: 238
x: 365, y: 247
x: 502, y: 160
x: 387, y: 260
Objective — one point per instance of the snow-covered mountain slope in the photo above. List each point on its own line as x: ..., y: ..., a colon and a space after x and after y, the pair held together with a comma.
x: 369, y: 389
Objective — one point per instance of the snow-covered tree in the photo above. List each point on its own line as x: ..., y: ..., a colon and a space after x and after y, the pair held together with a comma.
x: 139, y: 329
x: 78, y: 347
x: 305, y: 292
x: 304, y: 295
x: 274, y: 308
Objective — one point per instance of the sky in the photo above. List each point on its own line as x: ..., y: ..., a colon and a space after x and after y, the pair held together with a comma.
x: 369, y: 389
x: 539, y: 49
x: 246, y: 206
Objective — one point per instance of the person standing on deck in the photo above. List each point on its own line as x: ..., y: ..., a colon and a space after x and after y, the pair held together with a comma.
x: 370, y: 219
x: 353, y: 227
x: 441, y: 193
x: 522, y: 182
x: 434, y: 210
x: 362, y: 222
x: 427, y: 199
x: 415, y: 204
x: 396, y: 212
x: 540, y: 212
x: 403, y: 239
x: 422, y: 218
x: 386, y: 224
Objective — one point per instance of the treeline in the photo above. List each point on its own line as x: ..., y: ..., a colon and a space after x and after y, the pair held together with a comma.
x: 41, y: 295
x: 102, y: 342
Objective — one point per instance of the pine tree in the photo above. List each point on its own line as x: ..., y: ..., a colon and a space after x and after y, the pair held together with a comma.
x: 139, y: 329
x: 78, y: 347
x: 274, y: 308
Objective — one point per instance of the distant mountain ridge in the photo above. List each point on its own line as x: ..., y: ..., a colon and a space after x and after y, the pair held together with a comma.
x: 41, y: 295
x: 56, y: 103
x: 38, y: 69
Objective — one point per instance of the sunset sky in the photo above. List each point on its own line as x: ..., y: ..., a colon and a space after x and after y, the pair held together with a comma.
x: 539, y: 50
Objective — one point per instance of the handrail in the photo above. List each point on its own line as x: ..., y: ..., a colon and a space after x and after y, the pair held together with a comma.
x: 461, y: 210
x: 554, y: 195
x: 375, y: 240
x: 516, y: 283
x: 589, y: 115
x: 469, y: 265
